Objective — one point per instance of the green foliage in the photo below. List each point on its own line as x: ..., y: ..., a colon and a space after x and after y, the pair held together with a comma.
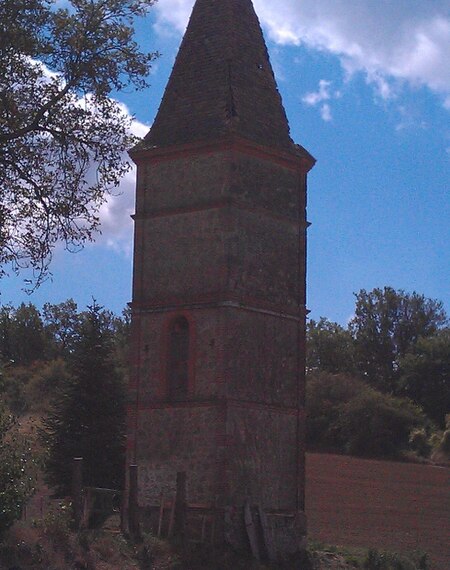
x: 397, y: 342
x: 386, y: 326
x: 425, y: 375
x: 61, y: 323
x: 377, y: 425
x: 57, y: 523
x: 62, y: 138
x: 371, y: 559
x: 36, y: 347
x: 445, y: 443
x: 346, y: 415
x: 330, y: 348
x: 325, y: 394
x: 22, y: 335
x: 441, y: 442
x: 48, y: 378
x: 377, y: 560
x: 28, y: 388
x: 420, y: 442
x: 17, y: 471
x: 87, y: 418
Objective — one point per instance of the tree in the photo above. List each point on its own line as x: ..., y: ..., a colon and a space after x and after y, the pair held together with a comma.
x: 62, y: 137
x: 88, y: 415
x: 17, y: 472
x: 425, y: 375
x: 387, y: 324
x: 22, y: 335
x: 61, y: 322
x: 329, y: 348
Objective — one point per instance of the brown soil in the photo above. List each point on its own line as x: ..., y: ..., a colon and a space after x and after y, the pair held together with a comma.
x: 379, y: 504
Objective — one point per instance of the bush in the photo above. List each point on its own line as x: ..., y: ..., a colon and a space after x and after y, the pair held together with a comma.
x: 56, y: 524
x: 392, y: 561
x: 441, y: 443
x: 44, y: 382
x: 17, y: 472
x: 376, y: 425
x: 419, y: 442
x: 325, y: 393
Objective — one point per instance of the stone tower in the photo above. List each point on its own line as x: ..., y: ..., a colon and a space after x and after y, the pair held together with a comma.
x: 218, y: 341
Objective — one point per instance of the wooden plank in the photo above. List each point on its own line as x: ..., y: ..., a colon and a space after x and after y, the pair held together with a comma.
x: 203, y: 529
x: 161, y: 515
x: 251, y: 531
x: 214, y: 521
x: 133, y: 506
x: 77, y: 490
x: 267, y: 535
x: 180, y: 505
x: 171, y: 520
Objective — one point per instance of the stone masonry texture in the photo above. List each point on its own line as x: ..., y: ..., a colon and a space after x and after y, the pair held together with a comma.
x: 220, y: 242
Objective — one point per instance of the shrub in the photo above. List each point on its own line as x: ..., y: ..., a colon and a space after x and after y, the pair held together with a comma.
x: 377, y: 560
x: 376, y: 425
x: 43, y: 382
x: 17, y: 472
x: 56, y: 524
x: 325, y: 393
x: 419, y: 442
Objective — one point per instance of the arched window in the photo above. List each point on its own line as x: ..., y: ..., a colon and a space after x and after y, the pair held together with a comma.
x: 178, y: 360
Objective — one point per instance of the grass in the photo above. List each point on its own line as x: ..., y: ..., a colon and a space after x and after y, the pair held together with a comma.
x: 370, y: 559
x: 50, y: 544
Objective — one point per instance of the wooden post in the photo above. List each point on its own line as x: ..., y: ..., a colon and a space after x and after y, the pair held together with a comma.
x: 180, y: 506
x: 77, y: 490
x: 161, y: 516
x: 171, y: 519
x: 133, y: 506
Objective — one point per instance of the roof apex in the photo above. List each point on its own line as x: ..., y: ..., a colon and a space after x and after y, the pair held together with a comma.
x: 222, y: 82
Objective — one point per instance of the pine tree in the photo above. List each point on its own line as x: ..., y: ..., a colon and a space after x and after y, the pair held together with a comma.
x: 88, y: 416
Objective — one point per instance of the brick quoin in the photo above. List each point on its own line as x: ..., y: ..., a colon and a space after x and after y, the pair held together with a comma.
x: 220, y: 240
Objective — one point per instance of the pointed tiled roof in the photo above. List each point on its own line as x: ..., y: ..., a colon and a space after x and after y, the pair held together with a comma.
x: 222, y: 82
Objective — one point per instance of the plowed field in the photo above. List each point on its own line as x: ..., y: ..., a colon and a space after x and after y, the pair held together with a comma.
x: 385, y: 505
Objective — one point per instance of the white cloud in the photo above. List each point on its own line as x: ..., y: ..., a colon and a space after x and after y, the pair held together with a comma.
x: 116, y: 225
x: 115, y: 213
x: 325, y: 112
x: 388, y: 40
x: 173, y: 13
x: 324, y: 93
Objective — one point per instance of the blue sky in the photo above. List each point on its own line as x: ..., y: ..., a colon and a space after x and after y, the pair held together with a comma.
x: 366, y: 86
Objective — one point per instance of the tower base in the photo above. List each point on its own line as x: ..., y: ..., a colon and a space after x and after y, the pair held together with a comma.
x: 266, y: 535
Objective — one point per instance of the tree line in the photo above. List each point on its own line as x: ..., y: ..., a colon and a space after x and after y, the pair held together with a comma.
x: 68, y: 368
x: 378, y: 387
x: 380, y: 384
